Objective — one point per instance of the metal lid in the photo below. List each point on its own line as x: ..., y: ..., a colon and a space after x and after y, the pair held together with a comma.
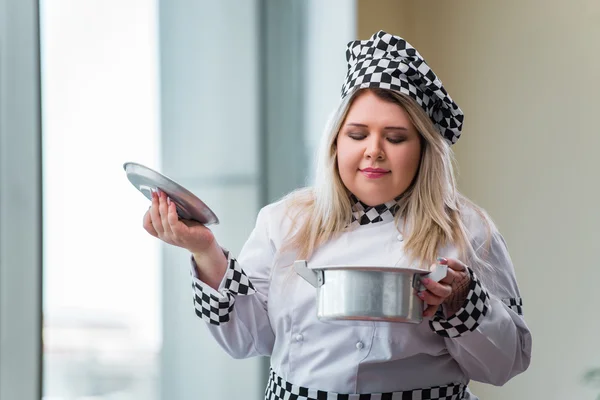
x: 188, y: 205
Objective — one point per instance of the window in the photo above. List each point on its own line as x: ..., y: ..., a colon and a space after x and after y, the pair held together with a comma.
x: 101, y: 301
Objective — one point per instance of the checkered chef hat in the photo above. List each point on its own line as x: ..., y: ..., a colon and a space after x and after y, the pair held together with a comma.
x: 390, y: 62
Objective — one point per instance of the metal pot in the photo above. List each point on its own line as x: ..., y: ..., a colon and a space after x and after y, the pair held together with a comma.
x: 368, y: 293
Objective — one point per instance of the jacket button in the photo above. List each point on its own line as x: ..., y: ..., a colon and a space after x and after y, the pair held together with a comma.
x: 360, y: 345
x: 299, y: 337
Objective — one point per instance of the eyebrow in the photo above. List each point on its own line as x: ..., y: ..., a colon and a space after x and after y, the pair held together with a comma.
x: 397, y: 128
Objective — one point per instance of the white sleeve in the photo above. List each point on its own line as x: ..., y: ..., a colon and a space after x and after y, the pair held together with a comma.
x: 236, y: 313
x: 488, y: 336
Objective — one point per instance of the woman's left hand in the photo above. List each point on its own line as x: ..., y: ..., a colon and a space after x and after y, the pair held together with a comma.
x: 452, y: 290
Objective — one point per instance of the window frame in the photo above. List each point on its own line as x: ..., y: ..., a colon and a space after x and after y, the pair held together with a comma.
x: 20, y: 202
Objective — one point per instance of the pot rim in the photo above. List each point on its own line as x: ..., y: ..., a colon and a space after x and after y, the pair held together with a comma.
x: 373, y: 268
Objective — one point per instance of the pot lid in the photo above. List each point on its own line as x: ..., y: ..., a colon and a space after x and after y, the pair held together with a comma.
x: 188, y: 205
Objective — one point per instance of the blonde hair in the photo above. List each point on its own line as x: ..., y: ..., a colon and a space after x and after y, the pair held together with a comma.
x: 431, y: 206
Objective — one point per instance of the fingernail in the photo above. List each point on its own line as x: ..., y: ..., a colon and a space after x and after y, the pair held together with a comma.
x: 168, y: 200
x: 442, y: 260
x: 421, y: 295
x: 426, y: 281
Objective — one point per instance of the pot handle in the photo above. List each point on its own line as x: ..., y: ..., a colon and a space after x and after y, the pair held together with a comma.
x: 308, y: 274
x: 436, y: 275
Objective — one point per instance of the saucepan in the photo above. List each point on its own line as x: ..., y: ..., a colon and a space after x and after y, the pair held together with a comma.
x: 368, y: 293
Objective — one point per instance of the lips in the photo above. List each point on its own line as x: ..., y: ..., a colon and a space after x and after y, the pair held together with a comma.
x: 375, y: 170
x: 374, y: 173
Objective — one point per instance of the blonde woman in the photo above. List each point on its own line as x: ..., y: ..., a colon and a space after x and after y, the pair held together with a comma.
x: 384, y: 194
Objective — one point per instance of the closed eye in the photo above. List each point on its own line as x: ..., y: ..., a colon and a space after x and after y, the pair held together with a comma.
x: 396, y: 140
x: 357, y: 136
x: 390, y: 139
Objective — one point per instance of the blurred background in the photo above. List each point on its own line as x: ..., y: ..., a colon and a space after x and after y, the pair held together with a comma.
x: 229, y: 99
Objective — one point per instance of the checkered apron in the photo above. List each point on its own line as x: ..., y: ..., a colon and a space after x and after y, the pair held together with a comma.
x: 278, y: 389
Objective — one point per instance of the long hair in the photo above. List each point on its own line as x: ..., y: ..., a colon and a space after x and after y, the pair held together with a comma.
x: 430, y: 207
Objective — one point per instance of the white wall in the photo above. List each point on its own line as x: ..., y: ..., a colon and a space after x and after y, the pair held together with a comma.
x: 527, y: 75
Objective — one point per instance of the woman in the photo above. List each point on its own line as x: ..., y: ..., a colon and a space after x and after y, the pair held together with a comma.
x: 385, y: 194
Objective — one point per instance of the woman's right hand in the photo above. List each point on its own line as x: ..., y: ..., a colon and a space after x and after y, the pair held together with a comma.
x: 161, y: 221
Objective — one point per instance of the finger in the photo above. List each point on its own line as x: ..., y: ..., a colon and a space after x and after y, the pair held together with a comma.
x: 155, y: 215
x: 430, y: 310
x: 451, y: 277
x: 162, y: 209
x: 172, y: 217
x: 147, y: 223
x: 453, y: 263
x: 177, y: 226
x: 190, y: 223
x: 438, y: 289
x: 430, y: 298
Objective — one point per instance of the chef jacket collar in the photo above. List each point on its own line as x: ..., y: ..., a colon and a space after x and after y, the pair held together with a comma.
x: 366, y: 214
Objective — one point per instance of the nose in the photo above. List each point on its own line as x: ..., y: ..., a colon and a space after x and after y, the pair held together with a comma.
x: 374, y: 150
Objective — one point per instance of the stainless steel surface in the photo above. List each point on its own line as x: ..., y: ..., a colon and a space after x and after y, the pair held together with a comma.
x: 188, y: 205
x: 368, y: 293
x: 355, y: 294
x: 306, y: 273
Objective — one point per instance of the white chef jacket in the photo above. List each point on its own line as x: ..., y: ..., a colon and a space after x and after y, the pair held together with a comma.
x: 277, y: 316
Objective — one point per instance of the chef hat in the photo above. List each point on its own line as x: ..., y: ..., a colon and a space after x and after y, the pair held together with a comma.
x: 390, y: 62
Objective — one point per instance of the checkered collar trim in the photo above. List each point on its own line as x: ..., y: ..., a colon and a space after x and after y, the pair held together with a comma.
x: 366, y: 214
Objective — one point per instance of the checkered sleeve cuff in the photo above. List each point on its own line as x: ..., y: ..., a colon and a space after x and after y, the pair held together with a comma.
x: 468, y: 317
x: 215, y: 306
x: 515, y: 304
